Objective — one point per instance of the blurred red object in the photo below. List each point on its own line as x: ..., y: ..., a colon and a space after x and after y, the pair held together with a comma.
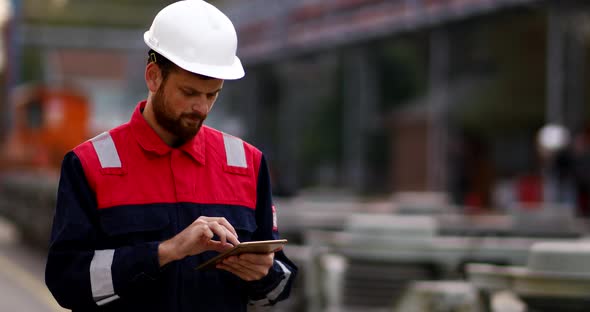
x: 529, y: 191
x: 48, y: 122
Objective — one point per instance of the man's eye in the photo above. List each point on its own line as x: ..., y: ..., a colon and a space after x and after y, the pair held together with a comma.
x: 188, y: 93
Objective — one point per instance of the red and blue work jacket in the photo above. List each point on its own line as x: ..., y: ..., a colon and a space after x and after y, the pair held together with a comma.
x: 125, y: 191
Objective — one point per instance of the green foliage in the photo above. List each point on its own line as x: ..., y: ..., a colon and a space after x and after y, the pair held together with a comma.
x: 514, y: 98
x: 30, y: 65
x: 111, y: 13
x: 322, y: 139
x: 402, y: 72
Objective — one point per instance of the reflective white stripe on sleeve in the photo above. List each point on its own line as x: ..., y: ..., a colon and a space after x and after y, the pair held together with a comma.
x: 107, y: 300
x: 234, y: 151
x: 101, y: 280
x: 106, y: 151
x: 274, y: 294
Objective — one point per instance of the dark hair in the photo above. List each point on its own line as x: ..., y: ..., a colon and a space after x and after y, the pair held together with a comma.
x: 166, y: 66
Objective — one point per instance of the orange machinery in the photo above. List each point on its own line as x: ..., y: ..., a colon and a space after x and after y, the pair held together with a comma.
x: 48, y: 122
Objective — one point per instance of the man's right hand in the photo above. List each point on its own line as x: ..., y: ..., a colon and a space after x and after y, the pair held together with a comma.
x: 197, y: 238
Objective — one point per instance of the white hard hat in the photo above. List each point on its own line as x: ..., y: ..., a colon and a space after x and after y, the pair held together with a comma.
x: 197, y: 37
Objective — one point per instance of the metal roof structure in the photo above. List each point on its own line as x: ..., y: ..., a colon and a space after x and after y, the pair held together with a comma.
x: 109, y: 24
x: 270, y: 29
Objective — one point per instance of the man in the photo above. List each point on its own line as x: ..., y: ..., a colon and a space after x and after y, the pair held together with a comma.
x: 139, y: 207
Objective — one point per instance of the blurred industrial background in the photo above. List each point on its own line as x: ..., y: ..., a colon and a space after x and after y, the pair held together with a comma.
x: 426, y: 155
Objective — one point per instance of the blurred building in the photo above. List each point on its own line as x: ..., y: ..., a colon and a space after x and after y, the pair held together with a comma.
x: 95, y: 49
x: 382, y: 96
x: 94, y: 46
x: 372, y: 96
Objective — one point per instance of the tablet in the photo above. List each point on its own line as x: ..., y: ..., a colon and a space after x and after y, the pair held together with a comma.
x: 259, y: 247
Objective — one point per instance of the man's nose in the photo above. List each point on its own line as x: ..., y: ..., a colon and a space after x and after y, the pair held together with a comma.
x: 201, y: 105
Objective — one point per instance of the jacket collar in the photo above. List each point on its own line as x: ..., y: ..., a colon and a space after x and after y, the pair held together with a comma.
x: 149, y: 140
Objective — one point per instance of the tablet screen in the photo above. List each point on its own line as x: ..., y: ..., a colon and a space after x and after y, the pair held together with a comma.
x: 260, y: 247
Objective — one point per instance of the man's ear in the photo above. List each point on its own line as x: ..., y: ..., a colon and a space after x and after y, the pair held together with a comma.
x: 153, y: 77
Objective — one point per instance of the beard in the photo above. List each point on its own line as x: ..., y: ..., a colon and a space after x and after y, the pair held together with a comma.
x: 175, y: 124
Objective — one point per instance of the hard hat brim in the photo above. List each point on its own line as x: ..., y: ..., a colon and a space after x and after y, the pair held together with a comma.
x: 227, y: 72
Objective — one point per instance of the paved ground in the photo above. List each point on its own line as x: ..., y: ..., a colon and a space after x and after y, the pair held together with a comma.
x: 21, y: 275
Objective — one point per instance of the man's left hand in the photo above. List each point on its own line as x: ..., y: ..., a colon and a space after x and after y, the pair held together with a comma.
x: 249, y: 267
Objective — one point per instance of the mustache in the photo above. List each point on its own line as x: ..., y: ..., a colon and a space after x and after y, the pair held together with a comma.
x: 194, y: 115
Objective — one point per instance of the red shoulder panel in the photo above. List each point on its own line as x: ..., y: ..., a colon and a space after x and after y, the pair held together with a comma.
x: 172, y: 175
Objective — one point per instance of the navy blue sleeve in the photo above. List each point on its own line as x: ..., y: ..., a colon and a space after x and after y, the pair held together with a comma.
x: 76, y: 243
x: 276, y: 286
